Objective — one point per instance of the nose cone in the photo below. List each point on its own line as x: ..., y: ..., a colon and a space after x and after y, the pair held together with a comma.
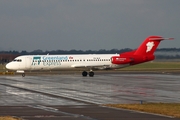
x: 9, y: 66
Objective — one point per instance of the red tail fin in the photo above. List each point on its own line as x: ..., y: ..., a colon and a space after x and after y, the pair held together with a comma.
x: 149, y: 45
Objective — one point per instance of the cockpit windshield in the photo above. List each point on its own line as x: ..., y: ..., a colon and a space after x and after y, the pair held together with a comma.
x: 17, y: 60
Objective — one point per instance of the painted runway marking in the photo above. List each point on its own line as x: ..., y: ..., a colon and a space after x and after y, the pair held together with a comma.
x: 51, y: 109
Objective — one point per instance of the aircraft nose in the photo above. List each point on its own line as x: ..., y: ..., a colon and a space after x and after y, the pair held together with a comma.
x: 8, y: 66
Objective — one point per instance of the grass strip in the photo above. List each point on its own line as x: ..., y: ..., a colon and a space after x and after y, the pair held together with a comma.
x: 8, y: 118
x: 169, y: 109
x: 154, y: 65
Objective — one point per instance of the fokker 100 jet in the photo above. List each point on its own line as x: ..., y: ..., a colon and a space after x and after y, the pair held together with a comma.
x: 90, y: 62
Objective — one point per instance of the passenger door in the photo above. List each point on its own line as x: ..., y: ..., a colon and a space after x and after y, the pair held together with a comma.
x: 28, y: 62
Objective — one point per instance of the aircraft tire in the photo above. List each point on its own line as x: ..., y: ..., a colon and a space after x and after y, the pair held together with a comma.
x: 23, y: 74
x: 84, y: 73
x: 91, y: 74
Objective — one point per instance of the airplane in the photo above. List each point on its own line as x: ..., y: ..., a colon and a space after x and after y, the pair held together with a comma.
x: 144, y: 53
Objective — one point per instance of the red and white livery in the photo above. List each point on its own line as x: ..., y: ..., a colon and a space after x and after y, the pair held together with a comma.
x: 89, y: 62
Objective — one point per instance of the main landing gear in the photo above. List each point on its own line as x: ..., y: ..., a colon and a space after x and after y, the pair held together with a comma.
x: 84, y: 74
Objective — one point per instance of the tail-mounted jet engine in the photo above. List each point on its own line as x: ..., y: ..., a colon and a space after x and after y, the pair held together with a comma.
x: 121, y: 60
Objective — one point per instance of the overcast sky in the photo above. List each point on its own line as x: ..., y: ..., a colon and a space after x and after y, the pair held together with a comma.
x: 86, y: 24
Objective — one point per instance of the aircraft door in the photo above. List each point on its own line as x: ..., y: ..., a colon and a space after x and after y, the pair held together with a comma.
x: 28, y: 61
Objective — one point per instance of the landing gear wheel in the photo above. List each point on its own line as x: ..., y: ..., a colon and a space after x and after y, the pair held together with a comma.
x: 84, y: 73
x: 23, y: 74
x: 91, y: 74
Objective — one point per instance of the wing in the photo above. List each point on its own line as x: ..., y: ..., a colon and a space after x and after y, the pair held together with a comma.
x: 91, y: 66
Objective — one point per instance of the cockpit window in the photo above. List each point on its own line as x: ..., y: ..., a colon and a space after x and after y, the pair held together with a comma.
x: 17, y: 60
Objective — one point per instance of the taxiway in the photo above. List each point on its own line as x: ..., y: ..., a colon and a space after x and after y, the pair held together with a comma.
x: 56, y: 93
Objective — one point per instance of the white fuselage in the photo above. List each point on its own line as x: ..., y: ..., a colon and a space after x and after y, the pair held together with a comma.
x: 57, y: 62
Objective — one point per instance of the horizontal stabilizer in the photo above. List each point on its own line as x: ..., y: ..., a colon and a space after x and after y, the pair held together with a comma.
x: 161, y: 38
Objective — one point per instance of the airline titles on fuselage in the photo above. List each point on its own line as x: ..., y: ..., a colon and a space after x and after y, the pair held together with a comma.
x: 48, y: 60
x: 56, y: 60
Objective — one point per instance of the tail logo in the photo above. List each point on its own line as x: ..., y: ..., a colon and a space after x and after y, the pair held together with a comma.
x: 149, y: 46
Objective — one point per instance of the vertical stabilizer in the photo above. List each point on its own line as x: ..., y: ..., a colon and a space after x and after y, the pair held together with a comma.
x: 149, y: 45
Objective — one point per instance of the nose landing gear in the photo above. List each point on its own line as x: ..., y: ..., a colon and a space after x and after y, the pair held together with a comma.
x: 23, y: 74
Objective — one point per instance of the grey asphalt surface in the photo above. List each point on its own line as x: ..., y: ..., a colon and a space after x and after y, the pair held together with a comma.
x: 71, y: 97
